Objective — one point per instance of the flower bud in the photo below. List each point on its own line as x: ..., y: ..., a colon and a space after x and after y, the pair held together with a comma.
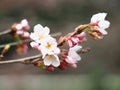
x: 49, y: 68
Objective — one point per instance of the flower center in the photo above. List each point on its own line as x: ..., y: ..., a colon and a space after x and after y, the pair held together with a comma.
x: 41, y: 36
x: 49, y: 45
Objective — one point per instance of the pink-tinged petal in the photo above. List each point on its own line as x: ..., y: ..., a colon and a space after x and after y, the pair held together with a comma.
x: 20, y: 32
x: 70, y: 60
x: 74, y: 40
x: 73, y: 65
x: 18, y: 27
x: 26, y: 34
x: 69, y: 42
x: 24, y: 24
x: 34, y: 45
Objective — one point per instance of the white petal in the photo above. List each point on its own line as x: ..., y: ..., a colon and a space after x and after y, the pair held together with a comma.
x: 103, y: 31
x: 56, y: 50
x: 70, y: 60
x: 47, y: 30
x: 34, y: 44
x: 75, y: 48
x: 47, y: 61
x: 55, y: 61
x: 98, y: 17
x: 38, y: 28
x: 74, y: 55
x: 104, y: 24
x: 33, y: 36
x: 24, y: 22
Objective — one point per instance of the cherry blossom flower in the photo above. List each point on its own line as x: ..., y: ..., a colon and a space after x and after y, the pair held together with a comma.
x: 73, y: 57
x: 99, y: 23
x: 49, y: 45
x: 40, y: 33
x: 51, y: 59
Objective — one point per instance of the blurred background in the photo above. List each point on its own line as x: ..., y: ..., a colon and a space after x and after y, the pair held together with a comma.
x: 98, y: 70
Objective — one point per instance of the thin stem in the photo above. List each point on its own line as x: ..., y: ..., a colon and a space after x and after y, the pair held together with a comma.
x: 5, y: 32
x: 21, y: 60
x: 15, y: 43
x: 34, y: 58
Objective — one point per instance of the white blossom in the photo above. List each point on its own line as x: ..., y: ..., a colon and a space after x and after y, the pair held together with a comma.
x: 49, y: 45
x: 73, y: 52
x: 99, y: 20
x: 51, y: 59
x: 40, y: 33
x: 73, y: 56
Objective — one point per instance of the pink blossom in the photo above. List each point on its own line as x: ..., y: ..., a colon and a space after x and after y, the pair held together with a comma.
x: 24, y: 24
x: 73, y: 57
x: 79, y: 38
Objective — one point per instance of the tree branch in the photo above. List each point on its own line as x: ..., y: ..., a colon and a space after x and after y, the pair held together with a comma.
x: 5, y: 32
x: 15, y: 43
x: 22, y: 60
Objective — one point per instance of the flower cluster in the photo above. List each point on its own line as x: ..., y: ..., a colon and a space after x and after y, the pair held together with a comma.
x: 54, y: 56
x: 20, y: 32
x: 46, y: 44
x: 51, y: 53
x: 21, y: 29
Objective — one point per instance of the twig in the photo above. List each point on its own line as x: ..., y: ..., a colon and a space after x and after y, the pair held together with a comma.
x: 5, y: 32
x: 21, y: 60
x: 15, y: 43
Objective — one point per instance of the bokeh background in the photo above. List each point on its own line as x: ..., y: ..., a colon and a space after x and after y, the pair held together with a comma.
x: 98, y: 69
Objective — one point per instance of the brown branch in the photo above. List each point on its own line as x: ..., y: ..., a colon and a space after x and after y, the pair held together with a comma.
x: 5, y: 32
x: 22, y: 60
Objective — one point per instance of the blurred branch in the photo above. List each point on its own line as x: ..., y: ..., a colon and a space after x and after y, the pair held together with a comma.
x: 5, y: 32
x: 15, y: 43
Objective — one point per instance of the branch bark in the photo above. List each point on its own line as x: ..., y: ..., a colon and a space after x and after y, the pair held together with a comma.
x: 22, y: 60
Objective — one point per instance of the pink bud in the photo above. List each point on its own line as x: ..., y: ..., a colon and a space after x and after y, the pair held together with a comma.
x: 19, y: 32
x: 34, y: 45
x: 24, y: 24
x: 18, y: 27
x: 69, y: 42
x: 26, y: 35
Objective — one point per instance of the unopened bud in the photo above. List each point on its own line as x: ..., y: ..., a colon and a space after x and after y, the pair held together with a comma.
x: 6, y: 48
x: 49, y: 68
